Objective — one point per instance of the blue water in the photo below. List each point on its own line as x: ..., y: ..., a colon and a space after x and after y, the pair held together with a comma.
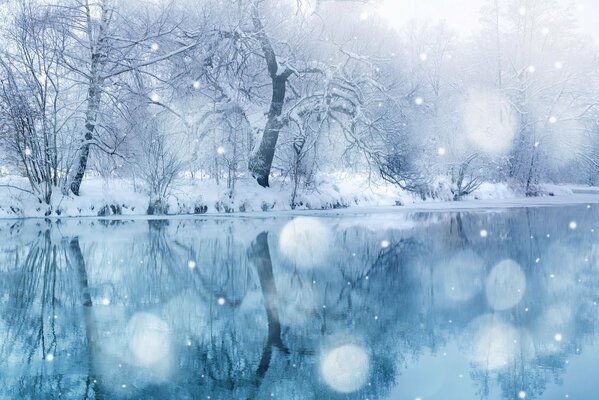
x: 470, y: 305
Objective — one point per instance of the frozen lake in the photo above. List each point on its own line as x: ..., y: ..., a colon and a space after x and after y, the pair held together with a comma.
x: 479, y: 304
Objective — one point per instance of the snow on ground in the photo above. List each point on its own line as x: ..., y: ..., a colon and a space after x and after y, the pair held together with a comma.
x: 346, y: 194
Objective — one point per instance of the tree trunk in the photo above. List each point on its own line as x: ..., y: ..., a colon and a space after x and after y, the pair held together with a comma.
x: 91, y: 116
x: 261, y: 161
x: 259, y: 255
x: 91, y: 329
x: 94, y: 93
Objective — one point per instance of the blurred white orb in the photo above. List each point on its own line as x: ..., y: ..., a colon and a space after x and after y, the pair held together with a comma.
x: 155, y: 98
x: 522, y: 394
x: 552, y: 120
x: 306, y: 241
x: 423, y: 56
x: 505, y: 286
x: 346, y: 368
x: 484, y: 233
x: 385, y: 244
x: 196, y: 84
x: 441, y: 151
x: 495, y: 347
x: 489, y: 122
x: 418, y: 101
x: 220, y: 150
x: 495, y: 343
x: 532, y: 69
x: 558, y: 65
x: 558, y: 337
x: 155, y: 46
x: 149, y: 339
x: 522, y: 10
x: 191, y: 264
x: 50, y: 357
x: 221, y: 301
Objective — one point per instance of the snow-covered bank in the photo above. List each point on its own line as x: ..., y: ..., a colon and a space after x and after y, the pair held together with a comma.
x: 342, y: 193
x: 101, y: 197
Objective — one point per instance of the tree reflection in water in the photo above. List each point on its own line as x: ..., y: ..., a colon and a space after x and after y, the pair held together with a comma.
x: 215, y: 307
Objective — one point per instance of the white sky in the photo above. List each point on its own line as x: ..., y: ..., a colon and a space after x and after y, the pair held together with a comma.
x: 463, y: 15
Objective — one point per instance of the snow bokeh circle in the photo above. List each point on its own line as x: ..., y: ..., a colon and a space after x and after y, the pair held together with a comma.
x: 306, y: 241
x: 496, y: 344
x: 505, y: 285
x: 148, y: 339
x: 490, y: 122
x: 346, y: 368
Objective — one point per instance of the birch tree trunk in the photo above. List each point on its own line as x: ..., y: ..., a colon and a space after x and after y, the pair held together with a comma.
x: 91, y: 117
x: 94, y: 92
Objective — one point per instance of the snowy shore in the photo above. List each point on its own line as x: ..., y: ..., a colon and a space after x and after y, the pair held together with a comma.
x: 343, y: 194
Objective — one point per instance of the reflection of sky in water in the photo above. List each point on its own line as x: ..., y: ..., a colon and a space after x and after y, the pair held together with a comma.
x: 397, y: 306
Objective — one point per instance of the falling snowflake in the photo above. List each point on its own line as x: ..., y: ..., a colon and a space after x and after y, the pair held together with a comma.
x: 573, y: 225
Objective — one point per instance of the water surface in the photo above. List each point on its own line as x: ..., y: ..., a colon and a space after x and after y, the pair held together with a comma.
x: 466, y: 305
